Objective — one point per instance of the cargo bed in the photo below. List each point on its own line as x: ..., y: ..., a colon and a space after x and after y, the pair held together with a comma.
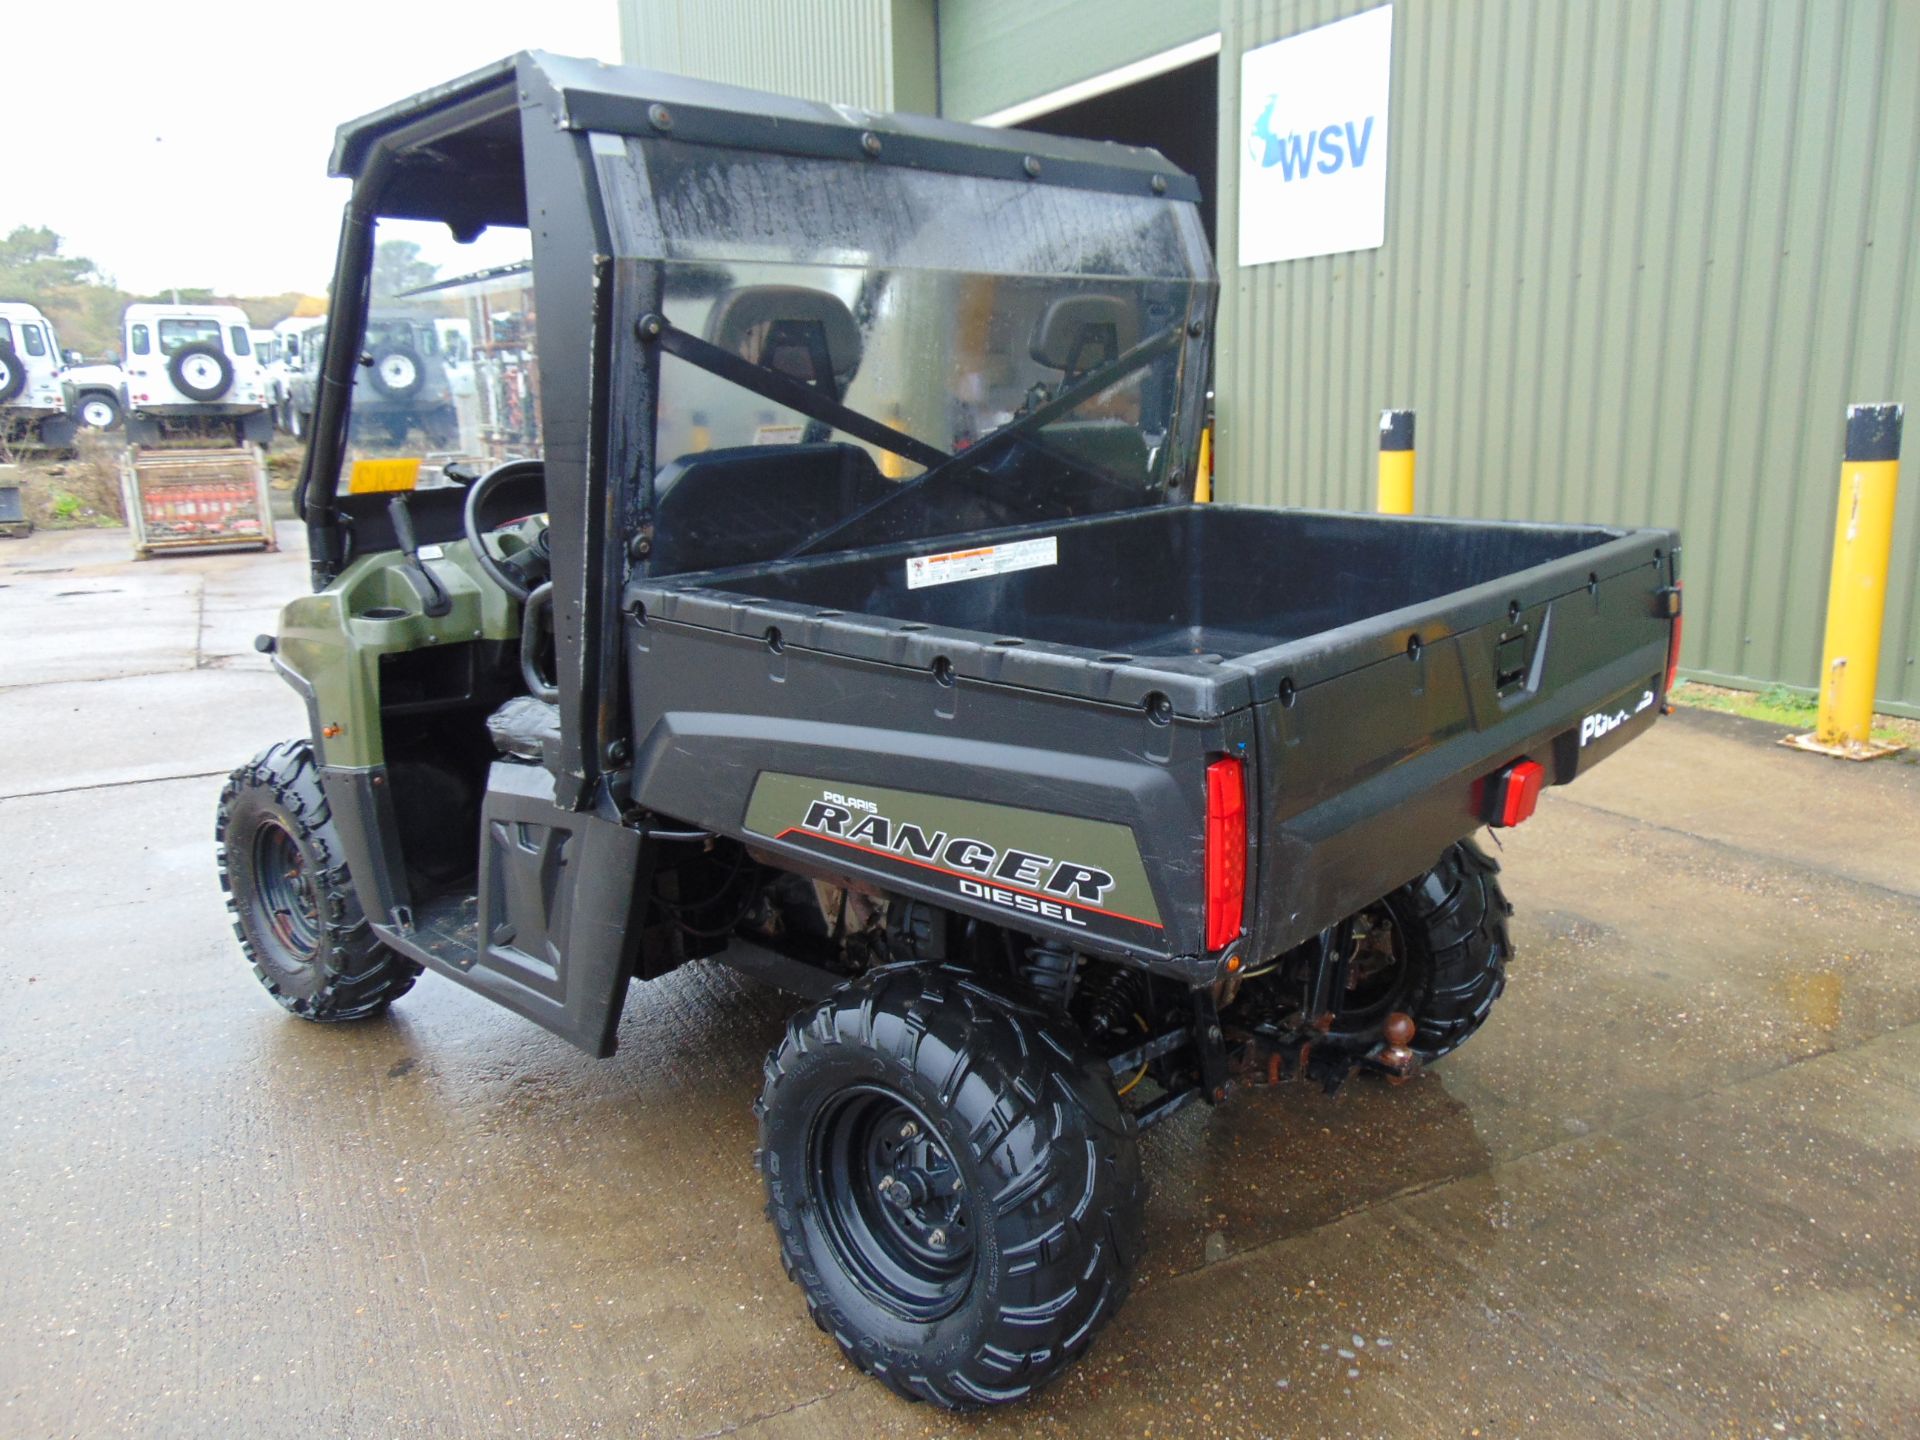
x: 1214, y: 606
x: 1372, y: 671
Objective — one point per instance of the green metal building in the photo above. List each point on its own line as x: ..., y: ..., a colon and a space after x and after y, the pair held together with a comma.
x: 1639, y: 255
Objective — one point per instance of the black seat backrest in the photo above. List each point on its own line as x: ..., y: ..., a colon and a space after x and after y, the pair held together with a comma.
x: 1079, y: 333
x: 755, y: 502
x: 807, y: 334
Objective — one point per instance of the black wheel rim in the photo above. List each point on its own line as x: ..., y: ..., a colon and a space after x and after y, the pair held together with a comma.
x: 284, y: 907
x: 893, y: 1203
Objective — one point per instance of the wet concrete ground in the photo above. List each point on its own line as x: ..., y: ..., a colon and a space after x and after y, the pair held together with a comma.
x: 1672, y: 1189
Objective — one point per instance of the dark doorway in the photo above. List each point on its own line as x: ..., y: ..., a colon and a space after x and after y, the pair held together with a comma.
x: 1177, y: 113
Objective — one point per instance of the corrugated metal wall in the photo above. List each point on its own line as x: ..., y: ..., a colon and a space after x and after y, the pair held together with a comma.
x: 831, y: 50
x: 1639, y: 257
x: 996, y: 53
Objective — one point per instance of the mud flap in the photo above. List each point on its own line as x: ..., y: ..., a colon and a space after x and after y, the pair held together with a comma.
x: 57, y: 432
x: 256, y: 428
x: 557, y: 890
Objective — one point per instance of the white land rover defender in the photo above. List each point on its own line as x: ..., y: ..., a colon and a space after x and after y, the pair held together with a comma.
x: 96, y: 394
x: 284, y: 363
x: 192, y: 371
x: 33, y: 405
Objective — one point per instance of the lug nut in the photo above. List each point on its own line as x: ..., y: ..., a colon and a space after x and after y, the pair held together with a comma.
x: 909, y: 1130
x: 937, y: 1239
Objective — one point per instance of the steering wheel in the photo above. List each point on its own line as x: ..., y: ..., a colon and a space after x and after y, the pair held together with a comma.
x: 506, y: 492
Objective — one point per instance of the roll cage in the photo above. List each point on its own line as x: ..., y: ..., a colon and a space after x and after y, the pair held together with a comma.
x: 533, y: 141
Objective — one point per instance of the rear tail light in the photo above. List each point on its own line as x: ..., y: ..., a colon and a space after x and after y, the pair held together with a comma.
x: 1226, y: 851
x: 1673, y: 640
x: 1516, y: 790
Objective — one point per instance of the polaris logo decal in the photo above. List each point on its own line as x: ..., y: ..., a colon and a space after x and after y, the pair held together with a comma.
x: 1603, y: 722
x: 1063, y: 869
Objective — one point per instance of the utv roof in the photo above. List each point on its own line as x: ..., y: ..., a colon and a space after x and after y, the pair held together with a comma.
x: 471, y: 126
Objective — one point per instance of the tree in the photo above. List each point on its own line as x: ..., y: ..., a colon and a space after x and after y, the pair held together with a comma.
x: 31, y: 262
x: 82, y: 304
x: 397, y: 268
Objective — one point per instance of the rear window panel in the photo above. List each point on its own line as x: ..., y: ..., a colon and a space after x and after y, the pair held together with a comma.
x: 241, y: 346
x: 175, y: 335
x: 31, y: 335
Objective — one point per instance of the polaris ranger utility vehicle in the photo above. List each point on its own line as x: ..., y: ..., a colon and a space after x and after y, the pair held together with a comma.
x: 856, y: 627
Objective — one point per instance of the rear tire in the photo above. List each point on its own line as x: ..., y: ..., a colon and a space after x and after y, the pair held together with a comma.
x: 1449, y: 929
x: 293, y: 903
x: 955, y: 1184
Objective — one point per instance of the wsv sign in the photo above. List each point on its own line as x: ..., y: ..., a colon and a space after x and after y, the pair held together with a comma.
x: 1314, y: 111
x: 1299, y: 154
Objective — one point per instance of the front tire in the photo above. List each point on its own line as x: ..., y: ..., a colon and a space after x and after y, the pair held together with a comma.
x: 293, y: 903
x: 955, y: 1184
x: 98, y: 411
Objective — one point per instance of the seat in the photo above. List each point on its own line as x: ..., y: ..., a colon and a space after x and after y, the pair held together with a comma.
x: 527, y: 729
x: 755, y: 502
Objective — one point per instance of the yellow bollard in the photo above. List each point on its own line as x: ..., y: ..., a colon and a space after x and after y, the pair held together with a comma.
x: 1396, y: 462
x: 1857, y: 595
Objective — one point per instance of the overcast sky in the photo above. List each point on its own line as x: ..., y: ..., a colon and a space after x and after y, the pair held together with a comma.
x: 186, y: 144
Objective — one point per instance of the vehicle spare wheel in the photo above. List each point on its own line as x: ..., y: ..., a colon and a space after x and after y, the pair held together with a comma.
x: 13, y: 376
x: 396, y: 372
x: 200, y: 371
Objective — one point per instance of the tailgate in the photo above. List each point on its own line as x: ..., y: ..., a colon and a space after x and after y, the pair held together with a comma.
x: 1376, y: 747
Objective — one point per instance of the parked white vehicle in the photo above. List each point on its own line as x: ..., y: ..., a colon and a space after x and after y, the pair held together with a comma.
x: 96, y: 395
x: 456, y: 349
x: 263, y: 353
x: 33, y: 403
x: 191, y: 369
x: 285, y: 359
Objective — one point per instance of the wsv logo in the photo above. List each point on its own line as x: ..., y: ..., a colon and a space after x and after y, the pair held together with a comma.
x: 1299, y: 153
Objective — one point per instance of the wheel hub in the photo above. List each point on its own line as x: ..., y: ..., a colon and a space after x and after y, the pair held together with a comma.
x: 894, y: 1203
x: 283, y: 894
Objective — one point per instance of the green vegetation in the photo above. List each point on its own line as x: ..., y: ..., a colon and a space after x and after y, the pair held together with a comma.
x: 1777, y: 705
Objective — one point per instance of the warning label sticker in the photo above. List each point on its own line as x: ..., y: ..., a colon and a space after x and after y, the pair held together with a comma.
x: 924, y: 570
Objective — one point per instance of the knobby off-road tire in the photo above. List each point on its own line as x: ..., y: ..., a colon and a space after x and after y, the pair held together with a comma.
x: 293, y: 903
x: 1453, y: 921
x: 916, y: 1084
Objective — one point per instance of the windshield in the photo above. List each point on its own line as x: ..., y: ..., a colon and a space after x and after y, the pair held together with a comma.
x: 931, y: 354
x: 404, y: 406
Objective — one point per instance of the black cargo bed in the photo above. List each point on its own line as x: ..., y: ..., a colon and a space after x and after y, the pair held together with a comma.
x: 1212, y: 606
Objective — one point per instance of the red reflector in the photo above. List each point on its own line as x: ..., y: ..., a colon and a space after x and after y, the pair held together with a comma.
x: 1518, y: 793
x: 1226, y: 850
x: 1673, y: 647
